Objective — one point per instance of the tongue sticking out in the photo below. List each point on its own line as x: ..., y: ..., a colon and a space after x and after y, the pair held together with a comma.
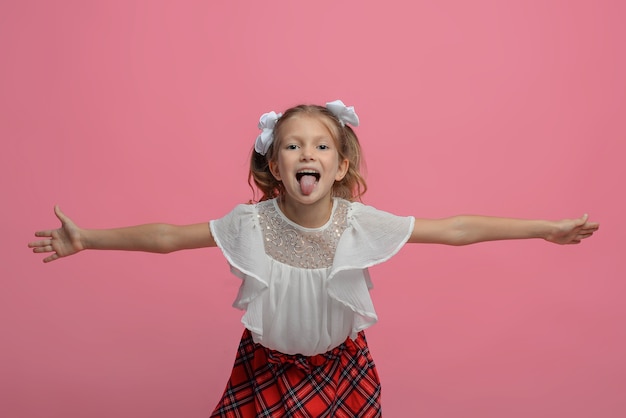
x: 307, y: 183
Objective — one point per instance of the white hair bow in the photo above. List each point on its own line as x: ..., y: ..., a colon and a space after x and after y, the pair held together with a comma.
x: 344, y: 113
x: 266, y: 137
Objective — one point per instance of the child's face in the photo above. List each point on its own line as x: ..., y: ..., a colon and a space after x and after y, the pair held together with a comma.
x: 307, y: 161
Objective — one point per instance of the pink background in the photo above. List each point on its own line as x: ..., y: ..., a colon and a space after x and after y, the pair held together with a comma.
x: 128, y: 112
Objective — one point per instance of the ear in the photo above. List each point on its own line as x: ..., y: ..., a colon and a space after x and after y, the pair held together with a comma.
x: 273, y: 166
x: 342, y: 169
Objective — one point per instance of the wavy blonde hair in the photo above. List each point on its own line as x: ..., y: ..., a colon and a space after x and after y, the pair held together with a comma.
x: 351, y: 187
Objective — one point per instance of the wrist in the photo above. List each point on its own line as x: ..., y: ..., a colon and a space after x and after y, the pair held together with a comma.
x: 550, y: 231
x: 85, y: 239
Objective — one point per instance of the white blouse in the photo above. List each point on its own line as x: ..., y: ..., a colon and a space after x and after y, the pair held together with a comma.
x: 305, y: 290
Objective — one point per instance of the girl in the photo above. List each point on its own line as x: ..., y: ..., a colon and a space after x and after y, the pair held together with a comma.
x: 302, y: 253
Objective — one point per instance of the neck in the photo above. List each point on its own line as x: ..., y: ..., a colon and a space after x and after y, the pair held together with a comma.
x: 307, y: 215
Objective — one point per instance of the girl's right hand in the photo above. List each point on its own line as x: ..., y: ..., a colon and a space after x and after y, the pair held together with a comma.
x: 60, y: 242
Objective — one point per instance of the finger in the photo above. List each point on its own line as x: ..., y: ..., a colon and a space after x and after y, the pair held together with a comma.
x: 41, y: 243
x: 584, y: 220
x: 50, y: 258
x: 588, y: 229
x: 46, y: 233
x: 43, y: 249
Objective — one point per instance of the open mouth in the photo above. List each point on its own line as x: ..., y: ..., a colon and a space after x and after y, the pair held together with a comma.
x: 301, y: 174
x: 308, y: 180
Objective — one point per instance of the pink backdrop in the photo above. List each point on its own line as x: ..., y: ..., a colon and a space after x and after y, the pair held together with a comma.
x: 128, y: 112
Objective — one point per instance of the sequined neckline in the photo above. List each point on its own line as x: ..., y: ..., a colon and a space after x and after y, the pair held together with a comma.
x: 297, y: 246
x: 304, y: 228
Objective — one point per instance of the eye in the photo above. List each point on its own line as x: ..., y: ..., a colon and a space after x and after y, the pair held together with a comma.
x: 291, y: 146
x: 323, y: 146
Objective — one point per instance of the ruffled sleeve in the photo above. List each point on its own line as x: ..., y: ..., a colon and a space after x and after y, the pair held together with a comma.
x: 239, y: 236
x: 372, y: 237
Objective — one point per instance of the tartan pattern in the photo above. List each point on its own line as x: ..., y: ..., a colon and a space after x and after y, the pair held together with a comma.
x: 341, y: 383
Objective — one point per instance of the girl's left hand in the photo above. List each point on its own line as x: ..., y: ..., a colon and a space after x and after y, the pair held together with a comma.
x: 572, y: 231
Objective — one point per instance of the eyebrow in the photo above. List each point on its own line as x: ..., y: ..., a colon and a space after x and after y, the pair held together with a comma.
x: 302, y: 139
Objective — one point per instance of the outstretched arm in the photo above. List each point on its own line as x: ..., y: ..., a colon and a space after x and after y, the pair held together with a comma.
x: 157, y: 238
x: 470, y: 229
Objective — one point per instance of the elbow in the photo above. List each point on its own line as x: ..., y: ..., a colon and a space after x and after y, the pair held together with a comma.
x: 164, y: 242
x: 459, y: 241
x: 459, y: 234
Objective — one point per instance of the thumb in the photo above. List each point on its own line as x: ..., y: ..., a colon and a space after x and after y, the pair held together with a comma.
x: 59, y: 214
x: 583, y: 219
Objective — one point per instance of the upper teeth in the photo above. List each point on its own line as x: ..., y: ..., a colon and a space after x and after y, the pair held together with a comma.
x: 303, y: 173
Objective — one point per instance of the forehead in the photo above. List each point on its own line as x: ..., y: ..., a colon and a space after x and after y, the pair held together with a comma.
x: 304, y: 125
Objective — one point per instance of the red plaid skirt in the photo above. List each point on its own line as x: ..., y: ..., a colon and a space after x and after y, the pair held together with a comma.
x: 340, y: 383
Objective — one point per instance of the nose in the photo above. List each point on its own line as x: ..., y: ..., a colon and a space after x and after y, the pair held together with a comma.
x: 308, y: 153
